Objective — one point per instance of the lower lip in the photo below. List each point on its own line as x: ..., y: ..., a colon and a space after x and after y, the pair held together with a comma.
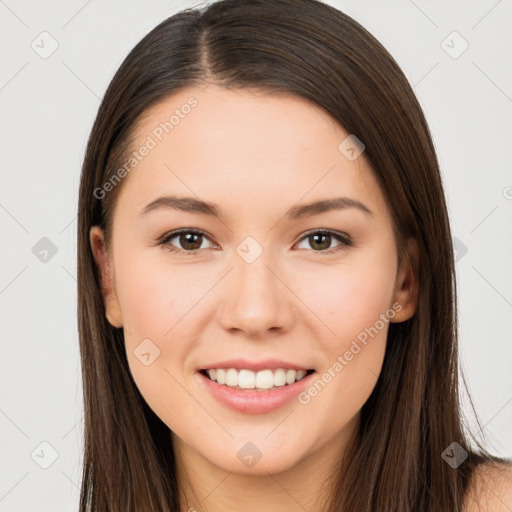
x: 253, y: 401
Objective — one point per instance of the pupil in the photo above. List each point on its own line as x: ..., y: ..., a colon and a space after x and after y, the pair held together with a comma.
x: 324, y: 245
x: 187, y: 243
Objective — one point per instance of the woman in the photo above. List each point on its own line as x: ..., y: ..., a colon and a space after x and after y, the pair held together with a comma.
x: 267, y: 302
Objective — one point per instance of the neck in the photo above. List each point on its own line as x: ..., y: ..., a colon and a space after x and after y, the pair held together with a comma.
x: 307, y: 485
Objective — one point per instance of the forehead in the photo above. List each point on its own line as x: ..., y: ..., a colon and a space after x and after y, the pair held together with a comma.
x: 244, y: 149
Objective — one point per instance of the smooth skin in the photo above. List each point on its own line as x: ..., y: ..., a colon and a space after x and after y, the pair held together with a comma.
x: 254, y: 156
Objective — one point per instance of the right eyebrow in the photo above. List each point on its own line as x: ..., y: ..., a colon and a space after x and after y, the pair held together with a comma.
x: 185, y: 204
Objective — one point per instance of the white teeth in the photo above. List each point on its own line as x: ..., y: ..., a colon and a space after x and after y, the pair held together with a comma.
x: 290, y: 376
x: 232, y: 377
x: 265, y: 379
x: 280, y: 377
x: 247, y: 379
x: 221, y: 376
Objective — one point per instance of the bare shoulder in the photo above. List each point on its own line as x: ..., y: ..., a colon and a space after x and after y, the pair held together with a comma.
x: 490, y: 489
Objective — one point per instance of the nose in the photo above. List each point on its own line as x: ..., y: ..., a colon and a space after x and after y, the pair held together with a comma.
x: 257, y: 299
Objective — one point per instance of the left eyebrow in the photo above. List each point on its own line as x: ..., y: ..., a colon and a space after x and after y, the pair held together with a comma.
x: 192, y: 205
x: 326, y: 205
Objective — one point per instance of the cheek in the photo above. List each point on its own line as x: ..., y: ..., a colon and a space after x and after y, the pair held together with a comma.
x: 355, y: 306
x: 350, y: 300
x: 154, y: 298
x: 156, y: 305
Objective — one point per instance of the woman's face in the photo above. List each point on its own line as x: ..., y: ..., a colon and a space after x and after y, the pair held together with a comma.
x: 262, y: 289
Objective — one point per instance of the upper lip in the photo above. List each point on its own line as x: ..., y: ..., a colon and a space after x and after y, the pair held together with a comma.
x: 265, y: 364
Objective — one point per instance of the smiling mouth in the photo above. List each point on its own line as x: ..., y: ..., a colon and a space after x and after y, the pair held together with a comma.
x: 263, y: 380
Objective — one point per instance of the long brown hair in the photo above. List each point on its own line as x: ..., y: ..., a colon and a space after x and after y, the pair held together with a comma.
x: 316, y: 52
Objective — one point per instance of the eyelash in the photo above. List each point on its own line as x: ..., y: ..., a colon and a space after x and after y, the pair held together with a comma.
x: 345, y: 240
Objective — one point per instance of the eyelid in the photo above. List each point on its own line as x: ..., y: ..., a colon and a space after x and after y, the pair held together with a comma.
x: 331, y: 232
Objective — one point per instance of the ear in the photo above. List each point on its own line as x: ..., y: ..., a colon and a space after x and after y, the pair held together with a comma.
x: 407, y: 285
x: 112, y: 306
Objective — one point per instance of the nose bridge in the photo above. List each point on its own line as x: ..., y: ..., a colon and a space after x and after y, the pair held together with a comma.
x: 256, y: 300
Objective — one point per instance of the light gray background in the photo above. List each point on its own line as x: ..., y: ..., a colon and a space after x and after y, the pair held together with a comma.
x: 47, y: 108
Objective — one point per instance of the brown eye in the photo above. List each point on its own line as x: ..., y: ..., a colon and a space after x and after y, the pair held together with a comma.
x: 190, y: 241
x: 320, y: 241
x: 187, y: 241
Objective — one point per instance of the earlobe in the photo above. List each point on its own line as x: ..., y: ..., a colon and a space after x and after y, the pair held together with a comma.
x: 112, y: 306
x: 407, y: 283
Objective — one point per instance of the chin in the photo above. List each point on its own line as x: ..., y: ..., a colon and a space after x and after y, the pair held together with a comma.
x: 273, y: 464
